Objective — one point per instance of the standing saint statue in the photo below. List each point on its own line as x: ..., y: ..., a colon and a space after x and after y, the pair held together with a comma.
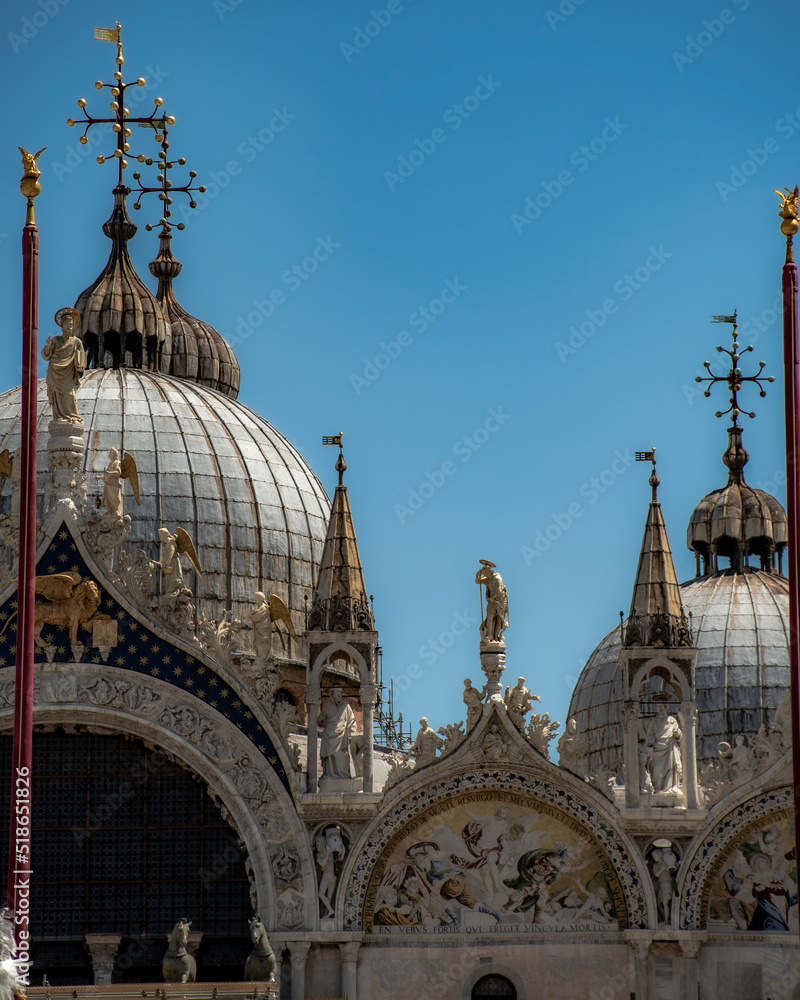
x: 473, y: 699
x: 338, y: 723
x: 662, y: 753
x: 66, y: 363
x: 496, y: 620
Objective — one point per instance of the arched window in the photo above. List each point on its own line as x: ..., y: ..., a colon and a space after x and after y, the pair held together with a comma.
x: 282, y: 697
x: 125, y: 842
x: 491, y: 987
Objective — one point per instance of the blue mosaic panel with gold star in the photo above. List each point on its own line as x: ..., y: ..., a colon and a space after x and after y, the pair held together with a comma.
x: 137, y: 649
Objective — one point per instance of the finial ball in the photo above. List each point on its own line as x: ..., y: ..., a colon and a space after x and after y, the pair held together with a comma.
x: 70, y: 122
x: 83, y: 141
x: 158, y: 102
x: 117, y: 76
x: 101, y: 159
x: 98, y: 85
x: 82, y: 102
x: 141, y: 82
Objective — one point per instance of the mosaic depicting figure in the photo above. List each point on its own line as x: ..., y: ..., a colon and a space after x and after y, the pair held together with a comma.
x: 482, y: 861
x: 756, y: 888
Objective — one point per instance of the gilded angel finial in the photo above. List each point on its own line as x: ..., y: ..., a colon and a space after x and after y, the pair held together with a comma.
x: 789, y: 210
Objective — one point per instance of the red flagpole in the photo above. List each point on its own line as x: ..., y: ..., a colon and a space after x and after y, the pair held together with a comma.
x: 789, y: 227
x: 19, y: 856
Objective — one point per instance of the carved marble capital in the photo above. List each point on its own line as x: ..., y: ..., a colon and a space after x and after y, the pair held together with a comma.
x: 103, y: 950
x: 349, y: 952
x: 298, y: 952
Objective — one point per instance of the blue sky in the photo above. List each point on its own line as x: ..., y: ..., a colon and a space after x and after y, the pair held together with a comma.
x: 530, y: 212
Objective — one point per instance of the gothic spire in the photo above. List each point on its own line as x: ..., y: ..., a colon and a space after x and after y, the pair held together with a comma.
x: 340, y: 599
x: 657, y: 617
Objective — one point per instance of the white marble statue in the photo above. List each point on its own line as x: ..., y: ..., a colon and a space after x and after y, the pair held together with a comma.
x: 329, y: 849
x: 473, y: 699
x: 66, y: 363
x: 426, y: 744
x: 518, y: 702
x: 664, y: 862
x: 262, y: 628
x: 496, y: 620
x: 662, y: 754
x: 338, y: 724
x: 573, y: 750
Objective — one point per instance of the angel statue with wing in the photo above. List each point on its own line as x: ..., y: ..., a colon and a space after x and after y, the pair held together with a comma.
x: 172, y: 548
x: 112, y: 478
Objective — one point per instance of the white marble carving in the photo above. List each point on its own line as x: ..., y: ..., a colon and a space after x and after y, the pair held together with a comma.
x: 426, y: 744
x: 518, y: 703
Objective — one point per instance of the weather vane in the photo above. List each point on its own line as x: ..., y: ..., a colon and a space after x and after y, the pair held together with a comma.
x: 734, y: 378
x: 650, y: 456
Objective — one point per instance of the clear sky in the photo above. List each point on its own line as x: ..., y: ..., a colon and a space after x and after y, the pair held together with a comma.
x: 527, y: 214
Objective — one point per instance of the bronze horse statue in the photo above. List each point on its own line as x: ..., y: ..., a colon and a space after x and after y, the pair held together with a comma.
x: 260, y: 965
x: 178, y: 965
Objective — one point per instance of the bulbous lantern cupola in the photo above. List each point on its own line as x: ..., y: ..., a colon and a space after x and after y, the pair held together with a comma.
x: 123, y: 324
x: 737, y: 521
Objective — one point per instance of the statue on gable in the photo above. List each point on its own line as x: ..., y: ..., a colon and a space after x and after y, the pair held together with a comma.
x: 496, y: 620
x: 66, y: 360
x: 518, y: 702
x: 173, y: 547
x: 112, y: 477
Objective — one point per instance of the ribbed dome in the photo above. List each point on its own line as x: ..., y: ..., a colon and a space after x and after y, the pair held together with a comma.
x: 256, y: 512
x: 740, y: 623
x: 197, y: 352
x: 121, y: 320
x: 737, y: 521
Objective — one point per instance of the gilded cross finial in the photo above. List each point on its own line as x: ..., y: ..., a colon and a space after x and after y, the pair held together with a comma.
x: 122, y: 120
x: 791, y: 221
x: 165, y: 188
x: 734, y: 377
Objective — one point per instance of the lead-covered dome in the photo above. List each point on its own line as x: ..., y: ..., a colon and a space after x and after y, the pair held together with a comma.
x: 256, y: 512
x: 737, y: 521
x: 741, y: 628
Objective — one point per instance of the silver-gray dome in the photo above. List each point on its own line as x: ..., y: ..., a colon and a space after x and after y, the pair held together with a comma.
x: 256, y: 512
x: 740, y: 623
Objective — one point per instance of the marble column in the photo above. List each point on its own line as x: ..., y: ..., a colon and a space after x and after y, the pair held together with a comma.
x: 691, y: 952
x: 103, y: 950
x: 639, y: 943
x: 313, y: 696
x: 630, y: 715
x: 367, y: 708
x: 349, y: 956
x: 688, y: 719
x: 298, y: 953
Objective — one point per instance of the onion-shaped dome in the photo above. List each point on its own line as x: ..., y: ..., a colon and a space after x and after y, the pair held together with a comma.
x: 737, y: 521
x: 257, y: 514
x: 198, y: 352
x: 741, y: 629
x: 122, y: 322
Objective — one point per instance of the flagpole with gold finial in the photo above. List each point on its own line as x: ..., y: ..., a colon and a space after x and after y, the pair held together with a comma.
x: 789, y: 227
x: 19, y: 858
